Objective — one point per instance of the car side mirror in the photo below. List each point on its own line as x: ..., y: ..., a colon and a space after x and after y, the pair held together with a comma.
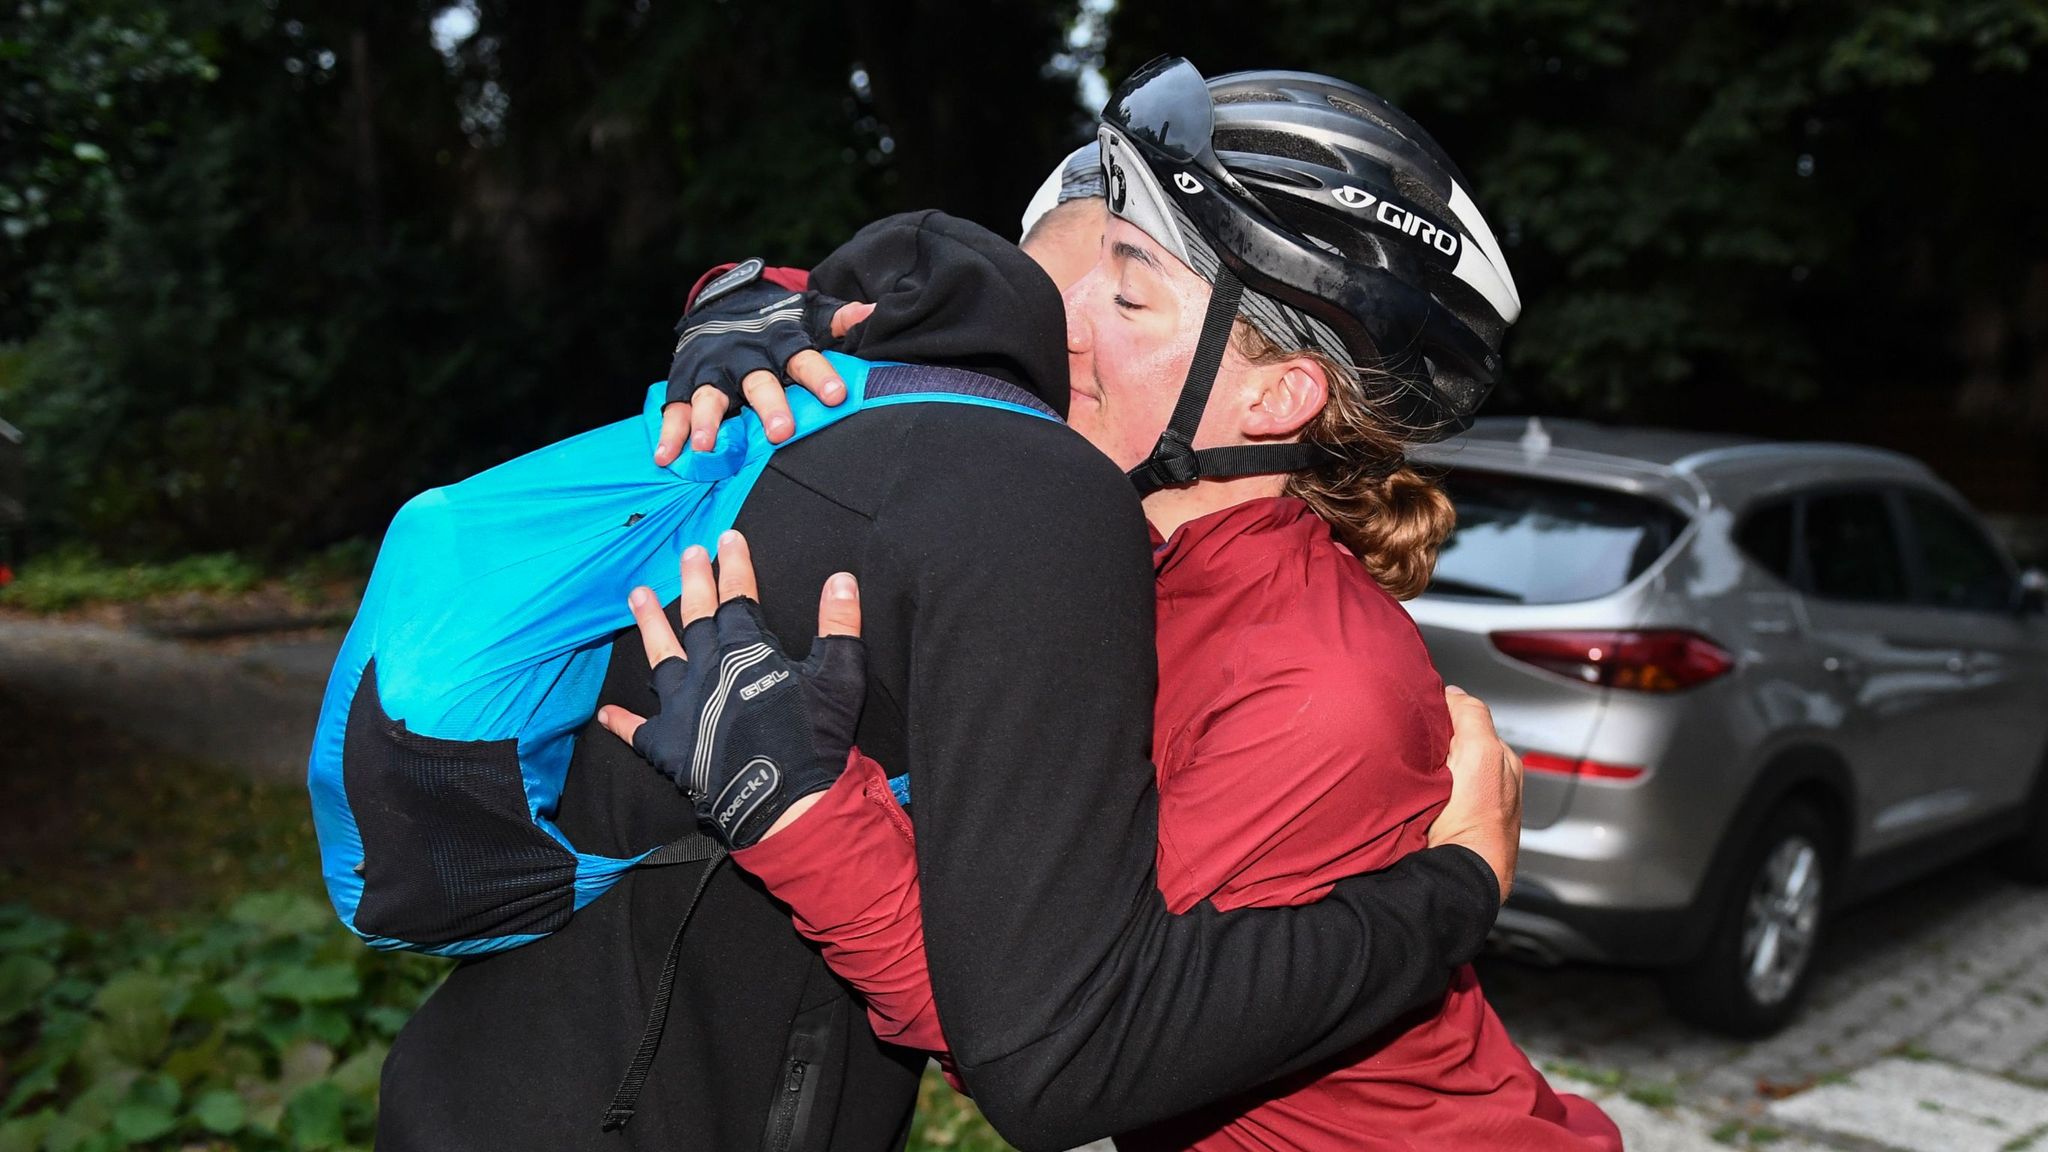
x: 2032, y: 597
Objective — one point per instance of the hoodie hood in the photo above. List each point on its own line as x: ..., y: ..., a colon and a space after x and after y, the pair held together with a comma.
x: 950, y: 293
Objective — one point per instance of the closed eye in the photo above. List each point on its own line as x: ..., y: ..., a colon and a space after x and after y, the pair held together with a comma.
x: 1126, y: 305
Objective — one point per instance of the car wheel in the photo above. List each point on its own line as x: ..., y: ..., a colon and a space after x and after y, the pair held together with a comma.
x: 1753, y: 972
x: 2025, y: 856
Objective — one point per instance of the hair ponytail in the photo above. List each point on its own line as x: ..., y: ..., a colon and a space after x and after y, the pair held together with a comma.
x: 1390, y: 515
x: 1394, y: 523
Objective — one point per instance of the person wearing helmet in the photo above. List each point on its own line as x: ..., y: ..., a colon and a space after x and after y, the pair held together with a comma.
x: 1293, y: 285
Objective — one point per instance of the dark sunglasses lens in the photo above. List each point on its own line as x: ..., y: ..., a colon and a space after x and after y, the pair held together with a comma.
x: 1165, y: 104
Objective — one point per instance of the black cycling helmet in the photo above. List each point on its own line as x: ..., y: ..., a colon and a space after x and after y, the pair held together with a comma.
x: 1327, y: 199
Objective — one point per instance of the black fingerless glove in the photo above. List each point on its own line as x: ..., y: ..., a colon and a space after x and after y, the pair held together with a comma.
x: 740, y: 324
x: 745, y: 733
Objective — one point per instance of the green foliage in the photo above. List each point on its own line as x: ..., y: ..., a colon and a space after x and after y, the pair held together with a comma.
x: 85, y: 84
x: 271, y: 266
x: 949, y: 1122
x: 1707, y: 201
x: 264, y: 1029
x: 76, y: 575
x: 373, y: 263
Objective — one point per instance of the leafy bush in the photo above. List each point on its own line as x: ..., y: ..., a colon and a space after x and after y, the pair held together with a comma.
x: 72, y: 576
x: 264, y: 1029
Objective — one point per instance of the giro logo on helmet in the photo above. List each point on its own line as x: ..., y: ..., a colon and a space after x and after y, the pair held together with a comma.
x: 1401, y: 220
x: 1187, y: 183
x: 1118, y: 186
x: 1398, y: 218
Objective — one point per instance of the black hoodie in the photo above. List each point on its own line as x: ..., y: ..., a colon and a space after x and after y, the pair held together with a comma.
x: 1006, y: 583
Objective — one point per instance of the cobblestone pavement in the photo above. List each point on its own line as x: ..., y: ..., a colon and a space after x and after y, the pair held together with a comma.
x: 1927, y: 1031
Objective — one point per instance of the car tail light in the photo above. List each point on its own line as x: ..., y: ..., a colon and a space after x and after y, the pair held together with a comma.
x: 1664, y: 660
x: 1566, y: 766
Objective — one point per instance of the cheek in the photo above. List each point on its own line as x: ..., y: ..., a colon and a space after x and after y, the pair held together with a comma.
x: 1138, y: 386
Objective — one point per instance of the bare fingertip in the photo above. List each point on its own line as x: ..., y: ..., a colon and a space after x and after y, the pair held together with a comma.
x: 696, y: 552
x: 841, y: 586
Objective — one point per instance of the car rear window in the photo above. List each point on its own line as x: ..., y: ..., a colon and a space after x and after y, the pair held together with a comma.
x: 1533, y: 541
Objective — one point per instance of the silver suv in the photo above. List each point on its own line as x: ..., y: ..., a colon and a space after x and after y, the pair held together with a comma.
x: 1751, y: 683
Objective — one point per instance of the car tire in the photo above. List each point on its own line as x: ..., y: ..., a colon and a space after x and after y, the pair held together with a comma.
x: 1754, y: 970
x: 2025, y: 856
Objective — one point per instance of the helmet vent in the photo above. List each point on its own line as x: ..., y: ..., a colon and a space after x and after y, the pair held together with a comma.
x: 1275, y: 173
x: 1354, y: 108
x: 1242, y: 97
x: 1331, y: 233
x: 1266, y: 142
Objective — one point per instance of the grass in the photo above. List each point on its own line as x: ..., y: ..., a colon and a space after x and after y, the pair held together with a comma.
x: 1586, y: 1073
x: 949, y: 1121
x: 1737, y: 1134
x: 69, y: 578
x: 2026, y: 1141
x: 1660, y: 1094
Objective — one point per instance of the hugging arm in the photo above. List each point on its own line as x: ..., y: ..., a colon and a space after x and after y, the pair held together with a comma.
x: 1075, y: 1003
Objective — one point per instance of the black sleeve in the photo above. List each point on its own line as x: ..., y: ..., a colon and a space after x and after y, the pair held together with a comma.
x: 1075, y: 1004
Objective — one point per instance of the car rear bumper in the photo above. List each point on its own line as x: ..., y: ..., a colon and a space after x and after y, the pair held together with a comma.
x: 1539, y: 927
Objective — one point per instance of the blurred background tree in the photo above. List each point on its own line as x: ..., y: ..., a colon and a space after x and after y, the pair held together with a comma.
x: 272, y: 265
x: 1803, y: 219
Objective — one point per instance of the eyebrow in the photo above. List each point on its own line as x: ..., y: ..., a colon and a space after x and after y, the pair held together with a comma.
x: 1127, y: 251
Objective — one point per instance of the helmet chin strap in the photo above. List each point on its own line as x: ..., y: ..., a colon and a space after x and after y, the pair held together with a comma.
x: 1175, y: 460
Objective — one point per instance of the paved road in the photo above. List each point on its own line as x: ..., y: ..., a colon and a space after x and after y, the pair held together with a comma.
x: 1928, y: 1031
x: 246, y: 703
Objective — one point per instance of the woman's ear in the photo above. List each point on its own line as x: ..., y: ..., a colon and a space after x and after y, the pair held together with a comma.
x: 1285, y: 396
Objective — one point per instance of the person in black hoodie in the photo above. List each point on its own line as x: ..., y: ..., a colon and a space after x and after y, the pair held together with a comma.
x: 1007, y: 592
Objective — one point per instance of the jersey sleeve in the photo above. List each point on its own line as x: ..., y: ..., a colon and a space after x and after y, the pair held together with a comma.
x: 847, y: 869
